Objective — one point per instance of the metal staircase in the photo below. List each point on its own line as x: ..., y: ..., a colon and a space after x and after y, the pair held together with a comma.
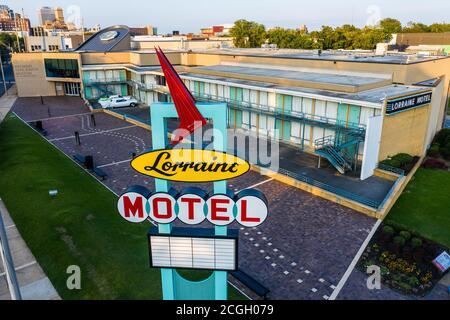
x: 340, y: 150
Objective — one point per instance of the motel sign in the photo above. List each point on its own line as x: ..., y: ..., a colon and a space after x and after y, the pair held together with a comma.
x: 192, y: 206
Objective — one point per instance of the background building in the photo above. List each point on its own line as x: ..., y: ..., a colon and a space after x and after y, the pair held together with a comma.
x: 46, y: 14
x: 52, y: 18
x: 143, y: 31
x: 10, y: 21
x: 216, y: 30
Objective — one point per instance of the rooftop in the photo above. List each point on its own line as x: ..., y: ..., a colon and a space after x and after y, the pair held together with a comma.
x: 336, y: 55
x: 306, y: 77
x: 371, y: 98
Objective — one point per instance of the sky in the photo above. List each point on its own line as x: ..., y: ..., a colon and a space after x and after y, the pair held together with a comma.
x: 190, y: 15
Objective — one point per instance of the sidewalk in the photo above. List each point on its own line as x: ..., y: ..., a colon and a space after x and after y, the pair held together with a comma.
x: 34, y: 284
x: 7, y: 101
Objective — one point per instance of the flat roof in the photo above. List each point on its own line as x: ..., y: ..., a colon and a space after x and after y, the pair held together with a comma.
x: 372, y: 98
x: 323, y: 78
x: 328, y: 55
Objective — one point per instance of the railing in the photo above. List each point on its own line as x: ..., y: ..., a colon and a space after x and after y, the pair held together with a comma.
x: 148, y: 86
x: 8, y: 263
x: 104, y: 81
x: 243, y: 105
x: 325, y: 141
x: 340, y: 192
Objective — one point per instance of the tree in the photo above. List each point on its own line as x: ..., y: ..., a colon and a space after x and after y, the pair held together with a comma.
x: 440, y: 27
x: 416, y: 27
x: 248, y: 34
x: 391, y: 26
x: 8, y: 44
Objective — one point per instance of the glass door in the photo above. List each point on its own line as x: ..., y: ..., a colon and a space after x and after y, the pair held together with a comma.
x: 71, y: 89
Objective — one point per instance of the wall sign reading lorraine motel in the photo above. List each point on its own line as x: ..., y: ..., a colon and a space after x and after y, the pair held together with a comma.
x: 190, y: 165
x: 407, y: 103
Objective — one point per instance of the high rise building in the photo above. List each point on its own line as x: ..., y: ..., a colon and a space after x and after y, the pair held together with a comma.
x: 46, y: 14
x: 59, y: 15
x: 15, y: 23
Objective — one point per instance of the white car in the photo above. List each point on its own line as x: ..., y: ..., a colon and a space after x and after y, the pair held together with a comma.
x: 118, y: 102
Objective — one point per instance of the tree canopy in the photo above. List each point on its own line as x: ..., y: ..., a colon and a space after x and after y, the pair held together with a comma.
x: 250, y: 34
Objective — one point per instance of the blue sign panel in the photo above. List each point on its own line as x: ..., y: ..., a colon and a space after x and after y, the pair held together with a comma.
x: 407, y: 103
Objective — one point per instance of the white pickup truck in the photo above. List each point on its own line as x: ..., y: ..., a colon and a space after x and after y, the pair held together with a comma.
x: 118, y: 101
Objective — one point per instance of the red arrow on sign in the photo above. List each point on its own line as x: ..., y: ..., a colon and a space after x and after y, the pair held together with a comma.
x: 190, y: 118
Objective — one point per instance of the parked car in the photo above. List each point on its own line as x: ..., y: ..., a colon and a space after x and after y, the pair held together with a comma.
x: 118, y: 101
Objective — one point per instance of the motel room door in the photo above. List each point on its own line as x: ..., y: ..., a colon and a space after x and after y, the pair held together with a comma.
x: 348, y: 114
x: 236, y: 98
x: 284, y: 129
x: 283, y: 106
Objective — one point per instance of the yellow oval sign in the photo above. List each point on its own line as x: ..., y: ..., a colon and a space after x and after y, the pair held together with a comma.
x: 190, y: 165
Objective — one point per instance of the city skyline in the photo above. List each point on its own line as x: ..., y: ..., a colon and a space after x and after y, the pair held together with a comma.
x: 201, y: 14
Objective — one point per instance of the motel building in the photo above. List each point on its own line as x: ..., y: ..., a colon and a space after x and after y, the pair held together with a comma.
x: 352, y: 109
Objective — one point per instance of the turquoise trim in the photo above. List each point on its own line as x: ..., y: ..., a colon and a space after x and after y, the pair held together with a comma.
x: 217, y: 112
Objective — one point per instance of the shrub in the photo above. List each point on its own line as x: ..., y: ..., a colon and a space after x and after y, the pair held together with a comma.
x: 443, y: 137
x: 445, y: 151
x: 399, y: 240
x: 398, y: 161
x: 434, y: 150
x: 435, y: 164
x: 388, y: 230
x: 416, y: 243
x: 403, y: 158
x: 413, y: 281
x: 405, y: 234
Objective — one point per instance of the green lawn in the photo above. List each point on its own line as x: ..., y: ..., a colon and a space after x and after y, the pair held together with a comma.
x: 80, y: 226
x: 425, y: 205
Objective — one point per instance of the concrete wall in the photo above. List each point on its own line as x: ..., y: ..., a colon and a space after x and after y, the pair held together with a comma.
x: 29, y: 73
x: 415, y: 39
x: 184, y: 45
x: 371, y: 146
x: 404, y: 132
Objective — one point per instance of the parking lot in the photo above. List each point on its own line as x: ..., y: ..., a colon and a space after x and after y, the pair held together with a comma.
x: 300, y: 252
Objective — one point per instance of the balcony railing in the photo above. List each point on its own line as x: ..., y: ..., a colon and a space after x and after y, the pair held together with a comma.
x: 244, y: 105
x: 104, y: 81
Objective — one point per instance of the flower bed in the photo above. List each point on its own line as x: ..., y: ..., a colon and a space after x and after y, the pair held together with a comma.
x: 405, y: 260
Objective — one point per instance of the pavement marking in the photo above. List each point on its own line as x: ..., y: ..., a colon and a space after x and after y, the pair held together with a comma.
x: 114, y: 163
x: 59, y: 117
x: 26, y: 265
x: 256, y: 185
x: 353, y: 263
x: 92, y: 133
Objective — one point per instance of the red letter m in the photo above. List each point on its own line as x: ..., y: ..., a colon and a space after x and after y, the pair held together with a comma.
x: 132, y: 208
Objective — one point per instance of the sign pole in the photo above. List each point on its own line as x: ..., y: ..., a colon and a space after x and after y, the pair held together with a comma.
x: 220, y: 277
x: 160, y: 141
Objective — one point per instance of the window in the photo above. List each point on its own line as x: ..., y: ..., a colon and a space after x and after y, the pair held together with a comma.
x: 161, y: 80
x: 61, y: 68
